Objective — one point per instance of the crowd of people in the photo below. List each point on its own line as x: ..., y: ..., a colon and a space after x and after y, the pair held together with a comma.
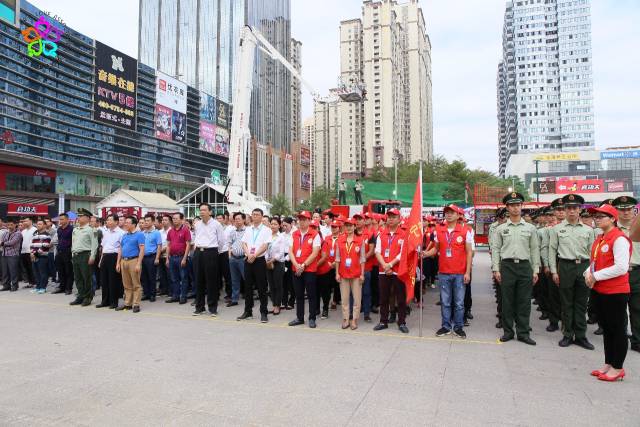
x: 577, y: 264
x: 580, y: 266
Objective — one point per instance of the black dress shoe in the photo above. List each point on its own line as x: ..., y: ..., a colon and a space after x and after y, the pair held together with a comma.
x: 76, y: 302
x: 101, y: 305
x: 380, y: 326
x: 565, y: 342
x: 403, y: 328
x: 584, y: 343
x: 527, y: 340
x: 113, y: 307
x: 312, y: 323
x: 5, y: 288
x: 296, y: 322
x: 552, y: 327
x: 58, y: 291
x: 245, y: 315
x: 183, y: 301
x: 469, y: 315
x: 543, y: 317
x: 591, y: 321
x: 136, y: 309
x: 123, y: 308
x: 499, y: 324
x: 231, y: 304
x: 506, y: 338
x: 171, y: 300
x: 86, y: 303
x: 152, y: 299
x: 598, y: 331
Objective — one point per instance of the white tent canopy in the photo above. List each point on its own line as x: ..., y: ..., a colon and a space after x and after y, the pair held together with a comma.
x: 144, y: 202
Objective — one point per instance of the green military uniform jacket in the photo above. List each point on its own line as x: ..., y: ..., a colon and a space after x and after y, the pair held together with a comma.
x: 569, y: 242
x: 635, y: 253
x: 515, y: 241
x: 84, y: 239
x: 543, y: 236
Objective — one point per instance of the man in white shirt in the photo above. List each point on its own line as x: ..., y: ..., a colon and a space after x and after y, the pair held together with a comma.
x: 163, y: 225
x: 28, y: 230
x: 209, y: 236
x: 255, y: 242
x: 223, y: 255
x: 110, y: 279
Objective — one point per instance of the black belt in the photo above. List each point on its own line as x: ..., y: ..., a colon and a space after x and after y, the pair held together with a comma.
x: 81, y: 252
x: 129, y: 258
x: 238, y: 256
x: 205, y: 249
x: 634, y: 267
x: 153, y: 255
x: 514, y: 260
x: 573, y: 261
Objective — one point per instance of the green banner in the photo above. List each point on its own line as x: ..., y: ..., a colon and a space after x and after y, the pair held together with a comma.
x: 432, y: 193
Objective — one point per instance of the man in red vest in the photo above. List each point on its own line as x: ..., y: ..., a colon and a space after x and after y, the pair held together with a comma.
x: 388, y: 251
x: 303, y: 254
x: 453, y: 243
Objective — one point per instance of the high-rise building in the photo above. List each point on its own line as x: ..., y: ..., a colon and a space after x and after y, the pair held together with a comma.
x: 545, y: 81
x: 296, y: 92
x: 197, y: 40
x: 388, y: 50
x: 82, y: 124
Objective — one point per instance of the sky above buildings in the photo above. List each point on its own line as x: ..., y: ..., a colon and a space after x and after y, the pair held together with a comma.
x: 466, y: 36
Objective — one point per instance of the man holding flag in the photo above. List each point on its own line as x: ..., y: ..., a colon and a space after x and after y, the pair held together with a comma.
x: 454, y: 247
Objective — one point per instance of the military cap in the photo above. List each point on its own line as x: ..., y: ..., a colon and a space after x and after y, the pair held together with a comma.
x: 624, y: 202
x: 512, y: 198
x: 606, y: 202
x: 585, y: 213
x: 84, y: 212
x: 573, y: 200
x: 558, y: 203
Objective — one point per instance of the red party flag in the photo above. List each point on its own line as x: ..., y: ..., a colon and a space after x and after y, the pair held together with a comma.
x: 412, y: 241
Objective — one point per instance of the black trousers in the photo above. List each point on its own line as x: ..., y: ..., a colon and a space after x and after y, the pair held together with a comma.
x: 612, y: 317
x: 27, y: 269
x: 225, y: 272
x: 275, y: 280
x: 163, y: 277
x: 255, y: 277
x: 325, y: 284
x: 468, y: 301
x: 288, y: 294
x: 65, y: 269
x: 375, y: 289
x: 111, y: 280
x: 205, y: 271
x: 306, y: 281
x: 392, y: 285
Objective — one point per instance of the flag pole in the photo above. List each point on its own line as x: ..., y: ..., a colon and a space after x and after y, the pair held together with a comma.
x: 421, y: 252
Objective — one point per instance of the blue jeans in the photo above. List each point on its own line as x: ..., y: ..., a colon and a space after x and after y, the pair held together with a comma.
x: 452, y: 293
x: 41, y: 271
x: 236, y: 267
x: 178, y: 275
x: 149, y: 275
x: 366, y: 295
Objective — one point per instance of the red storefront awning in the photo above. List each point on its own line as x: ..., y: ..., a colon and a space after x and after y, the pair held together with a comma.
x: 25, y: 209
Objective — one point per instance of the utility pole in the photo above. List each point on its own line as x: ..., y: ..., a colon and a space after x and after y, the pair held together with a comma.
x: 395, y: 173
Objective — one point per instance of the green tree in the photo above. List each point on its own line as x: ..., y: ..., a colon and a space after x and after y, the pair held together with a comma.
x: 280, y: 205
x: 321, y: 198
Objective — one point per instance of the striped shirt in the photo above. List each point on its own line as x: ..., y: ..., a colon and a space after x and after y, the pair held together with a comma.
x: 41, y: 243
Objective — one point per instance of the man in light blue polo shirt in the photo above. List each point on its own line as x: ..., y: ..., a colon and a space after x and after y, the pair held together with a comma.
x: 130, y: 264
x: 152, y: 252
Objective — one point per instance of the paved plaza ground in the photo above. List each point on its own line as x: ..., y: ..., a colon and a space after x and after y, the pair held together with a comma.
x: 62, y: 365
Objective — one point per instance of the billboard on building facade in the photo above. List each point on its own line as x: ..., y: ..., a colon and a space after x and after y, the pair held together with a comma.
x: 116, y: 80
x: 627, y: 154
x: 222, y: 142
x: 305, y: 155
x: 580, y: 186
x: 305, y: 180
x: 207, y: 108
x: 223, y: 117
x: 207, y: 136
x: 171, y: 108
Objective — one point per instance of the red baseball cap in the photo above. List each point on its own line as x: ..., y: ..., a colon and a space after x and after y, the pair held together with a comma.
x: 358, y: 215
x: 304, y: 214
x: 336, y: 223
x: 393, y: 211
x: 350, y: 221
x: 369, y: 215
x: 314, y: 224
x: 454, y: 208
x: 605, y: 209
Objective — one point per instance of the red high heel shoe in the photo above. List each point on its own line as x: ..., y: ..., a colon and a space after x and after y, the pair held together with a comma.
x: 619, y: 377
x: 596, y: 373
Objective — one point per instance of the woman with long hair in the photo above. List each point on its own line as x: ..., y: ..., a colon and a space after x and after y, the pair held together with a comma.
x: 608, y: 276
x: 288, y: 294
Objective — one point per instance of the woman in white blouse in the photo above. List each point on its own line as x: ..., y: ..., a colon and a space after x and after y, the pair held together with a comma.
x: 275, y: 258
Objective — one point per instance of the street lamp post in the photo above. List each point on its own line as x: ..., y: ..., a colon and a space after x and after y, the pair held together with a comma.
x: 537, y: 181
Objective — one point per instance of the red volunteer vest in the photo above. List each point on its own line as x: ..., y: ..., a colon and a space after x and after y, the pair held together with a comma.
x: 602, y: 257
x: 371, y: 261
x: 350, y: 251
x: 305, y: 245
x: 393, y: 242
x: 456, y: 242
x: 329, y: 248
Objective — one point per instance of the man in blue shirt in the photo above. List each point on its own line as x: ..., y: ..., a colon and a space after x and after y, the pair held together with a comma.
x: 152, y: 252
x: 130, y: 264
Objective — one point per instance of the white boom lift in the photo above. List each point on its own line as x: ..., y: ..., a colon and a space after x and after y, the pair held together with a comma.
x: 238, y: 191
